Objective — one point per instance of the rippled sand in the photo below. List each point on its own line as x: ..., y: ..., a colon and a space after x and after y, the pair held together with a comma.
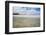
x: 19, y: 22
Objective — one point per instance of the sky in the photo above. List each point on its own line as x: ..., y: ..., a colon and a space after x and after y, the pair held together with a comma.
x: 26, y: 10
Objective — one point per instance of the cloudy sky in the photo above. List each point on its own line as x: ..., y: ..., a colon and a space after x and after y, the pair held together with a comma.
x: 26, y: 10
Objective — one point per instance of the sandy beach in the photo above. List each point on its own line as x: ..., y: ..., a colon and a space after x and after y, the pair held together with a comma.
x: 26, y: 21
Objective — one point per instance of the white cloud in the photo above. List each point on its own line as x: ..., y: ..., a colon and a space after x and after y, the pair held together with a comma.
x: 24, y: 11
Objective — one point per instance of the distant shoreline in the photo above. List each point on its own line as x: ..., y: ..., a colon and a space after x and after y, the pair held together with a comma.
x: 26, y: 16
